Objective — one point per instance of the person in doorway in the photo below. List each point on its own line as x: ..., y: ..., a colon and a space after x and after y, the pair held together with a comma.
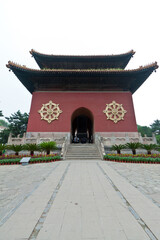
x: 76, y: 139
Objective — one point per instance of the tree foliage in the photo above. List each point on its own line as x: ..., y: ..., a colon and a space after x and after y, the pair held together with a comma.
x: 15, y: 148
x: 2, y: 148
x: 158, y: 139
x: 17, y: 126
x: 133, y: 146
x: 18, y: 123
x: 149, y: 147
x: 1, y: 115
x: 4, y: 135
x: 31, y: 147
x: 48, y: 146
x: 144, y: 130
x: 155, y: 127
x: 118, y: 148
x: 3, y: 123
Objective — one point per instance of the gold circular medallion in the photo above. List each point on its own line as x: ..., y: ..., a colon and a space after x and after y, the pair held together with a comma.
x: 114, y: 111
x: 50, y: 111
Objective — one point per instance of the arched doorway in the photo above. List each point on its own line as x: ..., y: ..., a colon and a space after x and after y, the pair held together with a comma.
x: 82, y: 125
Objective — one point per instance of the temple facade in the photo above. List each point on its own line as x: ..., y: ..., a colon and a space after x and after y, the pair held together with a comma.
x: 82, y: 96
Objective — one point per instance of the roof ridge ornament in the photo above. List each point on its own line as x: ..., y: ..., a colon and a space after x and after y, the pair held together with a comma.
x: 13, y: 64
x: 153, y: 64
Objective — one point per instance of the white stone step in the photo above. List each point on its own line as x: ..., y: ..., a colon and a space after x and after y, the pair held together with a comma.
x: 82, y: 152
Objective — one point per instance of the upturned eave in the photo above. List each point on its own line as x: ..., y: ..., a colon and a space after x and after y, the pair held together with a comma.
x: 82, y: 79
x: 79, y: 61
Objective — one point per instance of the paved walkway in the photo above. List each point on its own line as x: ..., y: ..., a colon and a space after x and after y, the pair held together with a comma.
x: 145, y: 177
x: 77, y: 200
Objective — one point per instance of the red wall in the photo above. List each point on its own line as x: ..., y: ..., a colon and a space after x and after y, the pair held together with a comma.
x: 70, y: 101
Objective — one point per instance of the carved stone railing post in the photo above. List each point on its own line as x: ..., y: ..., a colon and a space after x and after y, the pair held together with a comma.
x: 154, y: 138
x: 100, y: 145
x: 65, y: 146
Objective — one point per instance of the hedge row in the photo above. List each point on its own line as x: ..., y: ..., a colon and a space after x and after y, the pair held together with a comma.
x: 32, y: 160
x: 131, y: 159
x: 154, y: 155
x: 13, y: 156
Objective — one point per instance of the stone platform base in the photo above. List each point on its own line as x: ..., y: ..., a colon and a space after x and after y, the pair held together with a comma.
x: 36, y: 137
x: 111, y: 138
x: 107, y: 138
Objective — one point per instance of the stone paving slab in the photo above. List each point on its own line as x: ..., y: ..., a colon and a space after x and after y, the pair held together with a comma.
x: 77, y: 200
x: 145, y: 177
x: 17, y: 182
x: 148, y: 211
x: 21, y: 223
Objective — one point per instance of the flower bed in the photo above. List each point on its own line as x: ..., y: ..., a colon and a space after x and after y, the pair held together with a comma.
x: 32, y: 160
x: 136, y: 155
x: 132, y: 158
x: 13, y: 156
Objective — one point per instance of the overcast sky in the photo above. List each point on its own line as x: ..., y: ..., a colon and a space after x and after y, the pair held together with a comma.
x: 84, y: 27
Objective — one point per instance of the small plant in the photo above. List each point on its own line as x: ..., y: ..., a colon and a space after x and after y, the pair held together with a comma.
x: 31, y: 147
x: 133, y: 146
x: 149, y: 147
x: 2, y: 148
x: 158, y: 148
x: 15, y: 148
x: 48, y: 146
x: 118, y: 148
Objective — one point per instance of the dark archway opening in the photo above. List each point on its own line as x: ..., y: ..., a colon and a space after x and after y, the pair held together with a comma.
x: 82, y: 126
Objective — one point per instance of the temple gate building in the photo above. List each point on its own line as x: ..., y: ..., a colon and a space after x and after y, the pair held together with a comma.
x: 84, y: 96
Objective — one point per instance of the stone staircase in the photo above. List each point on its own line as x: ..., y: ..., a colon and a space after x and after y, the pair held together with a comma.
x: 82, y: 152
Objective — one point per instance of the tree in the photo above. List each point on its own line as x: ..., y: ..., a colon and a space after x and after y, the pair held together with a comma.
x: 155, y: 127
x: 133, y: 146
x: 3, y: 123
x: 31, y: 147
x: 1, y: 115
x: 2, y: 148
x: 48, y: 146
x: 4, y: 135
x: 144, y: 130
x: 17, y: 126
x: 18, y: 123
x: 15, y: 148
x: 118, y: 148
x: 149, y: 147
x: 158, y: 139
